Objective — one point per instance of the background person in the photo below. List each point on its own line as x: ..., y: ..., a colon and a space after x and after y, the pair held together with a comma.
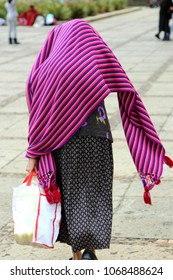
x: 153, y: 4
x: 50, y: 19
x: 164, y: 18
x: 22, y: 19
x: 31, y: 15
x: 11, y: 21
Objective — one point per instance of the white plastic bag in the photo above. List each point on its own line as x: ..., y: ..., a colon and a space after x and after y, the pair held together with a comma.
x: 35, y: 220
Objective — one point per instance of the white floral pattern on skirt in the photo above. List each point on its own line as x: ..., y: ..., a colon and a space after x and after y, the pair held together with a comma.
x: 85, y: 175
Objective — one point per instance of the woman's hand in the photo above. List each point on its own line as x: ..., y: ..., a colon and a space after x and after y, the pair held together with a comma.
x: 32, y: 165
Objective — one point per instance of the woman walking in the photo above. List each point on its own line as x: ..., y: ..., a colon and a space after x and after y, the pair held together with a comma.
x: 166, y: 9
x: 11, y: 21
x: 70, y: 141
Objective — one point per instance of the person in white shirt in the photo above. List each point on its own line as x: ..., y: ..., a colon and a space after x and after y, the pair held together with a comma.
x: 11, y: 20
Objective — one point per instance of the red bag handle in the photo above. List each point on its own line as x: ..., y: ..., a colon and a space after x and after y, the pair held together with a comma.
x: 28, y: 178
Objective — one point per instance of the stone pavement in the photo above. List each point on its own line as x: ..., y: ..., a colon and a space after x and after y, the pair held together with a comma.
x: 139, y: 231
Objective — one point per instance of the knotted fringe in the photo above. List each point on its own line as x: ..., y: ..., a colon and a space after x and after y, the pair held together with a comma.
x: 149, y: 181
x: 52, y: 190
x: 147, y: 196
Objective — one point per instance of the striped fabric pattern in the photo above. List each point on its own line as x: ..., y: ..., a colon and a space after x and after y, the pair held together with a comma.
x: 73, y: 73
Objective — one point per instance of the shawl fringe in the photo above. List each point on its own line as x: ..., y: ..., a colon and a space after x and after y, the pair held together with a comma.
x: 52, y: 190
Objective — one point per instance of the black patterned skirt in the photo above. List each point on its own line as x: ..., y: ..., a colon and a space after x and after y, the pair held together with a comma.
x: 85, y: 175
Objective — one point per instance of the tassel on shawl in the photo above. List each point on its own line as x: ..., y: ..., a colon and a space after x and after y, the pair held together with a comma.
x: 148, y: 182
x: 168, y: 161
x: 52, y: 190
x: 147, y: 197
x: 158, y: 182
x: 53, y: 195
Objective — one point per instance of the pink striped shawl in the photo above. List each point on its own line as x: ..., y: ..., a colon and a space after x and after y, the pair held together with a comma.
x: 73, y: 73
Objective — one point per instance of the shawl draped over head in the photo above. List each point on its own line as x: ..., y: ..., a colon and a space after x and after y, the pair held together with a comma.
x: 73, y: 73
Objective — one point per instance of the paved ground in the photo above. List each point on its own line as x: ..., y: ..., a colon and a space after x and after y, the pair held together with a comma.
x: 139, y: 231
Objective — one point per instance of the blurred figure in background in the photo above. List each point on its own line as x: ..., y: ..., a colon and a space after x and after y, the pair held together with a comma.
x: 2, y: 21
x: 50, y: 19
x: 153, y: 4
x: 166, y: 9
x: 11, y: 20
x: 22, y: 19
x: 31, y: 15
